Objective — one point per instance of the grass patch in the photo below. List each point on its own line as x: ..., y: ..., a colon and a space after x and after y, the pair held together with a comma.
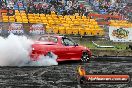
x: 118, y: 46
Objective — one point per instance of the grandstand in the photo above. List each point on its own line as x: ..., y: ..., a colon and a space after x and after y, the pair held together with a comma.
x: 58, y: 22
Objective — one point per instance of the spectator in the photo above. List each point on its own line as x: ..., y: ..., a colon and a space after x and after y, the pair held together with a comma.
x: 10, y: 11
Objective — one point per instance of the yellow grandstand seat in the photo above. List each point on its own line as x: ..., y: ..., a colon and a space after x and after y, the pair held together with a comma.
x: 94, y: 32
x: 38, y: 21
x: 36, y: 15
x: 85, y: 20
x: 25, y: 20
x: 31, y: 15
x: 72, y: 17
x: 75, y: 30
x: 82, y: 22
x: 23, y: 14
x: 72, y: 25
x: 68, y: 19
x: 91, y: 26
x: 69, y: 22
x: 24, y: 17
x: 11, y: 16
x: 68, y: 30
x: 51, y: 21
x: 37, y: 18
x: 5, y: 17
x: 43, y: 18
x: 76, y: 22
x: 85, y: 26
x: 42, y: 15
x: 4, y: 14
x: 17, y: 14
x: 94, y: 23
x: 92, y: 20
x: 124, y: 21
x: 32, y: 21
x: 57, y: 21
x: 101, y: 32
x: 130, y: 25
x: 47, y: 15
x: 126, y: 25
x: 61, y: 29
x: 49, y: 18
x: 84, y: 17
x: 66, y: 25
x: 66, y: 16
x: 112, y: 21
x: 19, y: 20
x: 55, y: 18
x: 115, y: 24
x: 96, y: 26
x: 12, y: 19
x: 60, y: 16
x: 45, y: 21
x: 55, y: 29
x: 88, y: 31
x: 18, y: 17
x: 4, y: 20
x: 78, y: 17
x: 63, y: 21
x: 81, y: 31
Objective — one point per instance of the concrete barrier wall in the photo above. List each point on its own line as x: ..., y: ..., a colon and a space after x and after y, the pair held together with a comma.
x: 98, y: 52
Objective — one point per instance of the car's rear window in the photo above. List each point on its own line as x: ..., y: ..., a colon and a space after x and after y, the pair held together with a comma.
x: 48, y: 39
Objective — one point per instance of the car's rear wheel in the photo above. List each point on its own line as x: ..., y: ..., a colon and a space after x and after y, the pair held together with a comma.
x: 85, y: 57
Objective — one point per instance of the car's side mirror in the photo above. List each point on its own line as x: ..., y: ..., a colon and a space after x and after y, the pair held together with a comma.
x: 66, y: 44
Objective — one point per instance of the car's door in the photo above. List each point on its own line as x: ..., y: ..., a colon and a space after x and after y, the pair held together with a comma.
x: 58, y: 49
x: 73, y: 50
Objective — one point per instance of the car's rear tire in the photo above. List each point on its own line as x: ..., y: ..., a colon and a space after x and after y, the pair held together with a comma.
x: 85, y: 57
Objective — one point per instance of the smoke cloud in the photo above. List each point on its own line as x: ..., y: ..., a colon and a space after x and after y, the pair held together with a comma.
x: 15, y: 51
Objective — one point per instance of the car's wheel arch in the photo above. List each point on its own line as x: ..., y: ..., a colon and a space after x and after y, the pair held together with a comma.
x: 86, y: 52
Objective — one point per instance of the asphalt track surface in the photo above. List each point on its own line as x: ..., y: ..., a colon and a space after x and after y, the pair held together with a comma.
x: 61, y: 76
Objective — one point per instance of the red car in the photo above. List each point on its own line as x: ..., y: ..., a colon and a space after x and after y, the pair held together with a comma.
x: 65, y: 48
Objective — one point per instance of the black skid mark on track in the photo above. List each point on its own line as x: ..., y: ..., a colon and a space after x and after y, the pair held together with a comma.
x: 61, y: 76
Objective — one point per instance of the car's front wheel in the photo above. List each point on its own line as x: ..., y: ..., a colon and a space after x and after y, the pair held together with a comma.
x: 85, y: 57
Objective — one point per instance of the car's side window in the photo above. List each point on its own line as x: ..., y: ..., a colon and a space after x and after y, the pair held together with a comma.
x: 67, y: 42
x: 49, y: 39
x: 54, y: 39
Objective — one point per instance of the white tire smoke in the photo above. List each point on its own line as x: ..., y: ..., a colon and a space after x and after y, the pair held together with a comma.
x: 15, y: 51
